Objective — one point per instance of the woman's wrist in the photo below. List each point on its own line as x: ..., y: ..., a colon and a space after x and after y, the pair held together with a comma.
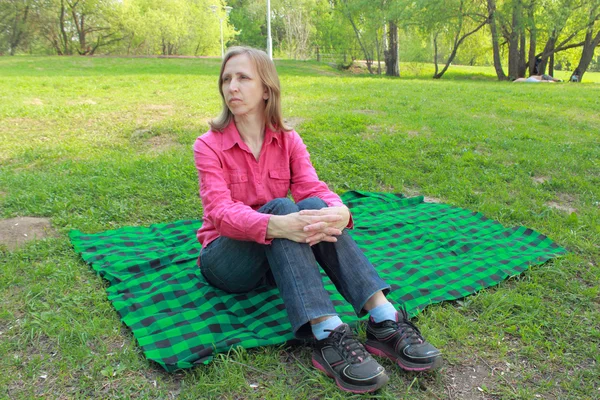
x: 274, y: 227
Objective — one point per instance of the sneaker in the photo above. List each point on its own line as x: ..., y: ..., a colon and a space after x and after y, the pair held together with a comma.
x: 342, y: 357
x: 402, y: 342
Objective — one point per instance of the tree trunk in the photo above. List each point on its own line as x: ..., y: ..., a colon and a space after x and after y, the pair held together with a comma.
x: 522, y: 61
x: 435, y: 54
x: 548, y: 51
x: 378, y: 53
x: 391, y: 54
x: 496, y: 47
x: 18, y: 30
x: 587, y: 54
x: 513, y: 43
x: 532, y: 38
x: 61, y: 20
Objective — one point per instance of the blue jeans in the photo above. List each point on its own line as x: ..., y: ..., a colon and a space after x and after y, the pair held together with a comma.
x: 239, y: 266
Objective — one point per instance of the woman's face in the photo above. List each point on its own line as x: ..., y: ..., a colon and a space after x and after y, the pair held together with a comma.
x: 242, y: 87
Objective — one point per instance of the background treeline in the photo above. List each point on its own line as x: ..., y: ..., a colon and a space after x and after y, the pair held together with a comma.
x: 517, y: 37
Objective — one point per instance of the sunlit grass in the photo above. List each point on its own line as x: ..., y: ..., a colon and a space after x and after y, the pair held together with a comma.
x: 100, y: 143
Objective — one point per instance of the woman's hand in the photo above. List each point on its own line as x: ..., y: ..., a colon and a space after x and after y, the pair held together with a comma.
x: 320, y: 231
x: 305, y: 228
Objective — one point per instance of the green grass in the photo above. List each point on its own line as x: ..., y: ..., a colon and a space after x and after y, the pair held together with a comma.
x: 100, y: 143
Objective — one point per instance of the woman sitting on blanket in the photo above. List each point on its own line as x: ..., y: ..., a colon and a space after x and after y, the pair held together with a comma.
x: 252, y: 233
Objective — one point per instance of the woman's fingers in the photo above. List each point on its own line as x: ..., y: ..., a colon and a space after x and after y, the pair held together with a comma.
x: 322, y: 238
x: 313, y: 212
x: 319, y: 226
x: 329, y: 235
x: 321, y: 222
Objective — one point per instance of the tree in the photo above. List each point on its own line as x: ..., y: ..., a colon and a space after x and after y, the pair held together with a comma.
x: 249, y: 19
x: 354, y: 12
x: 467, y: 19
x: 91, y: 20
x: 298, y: 27
x: 77, y: 26
x: 173, y: 27
x: 491, y: 4
x: 14, y: 23
x: 334, y: 36
x: 590, y: 42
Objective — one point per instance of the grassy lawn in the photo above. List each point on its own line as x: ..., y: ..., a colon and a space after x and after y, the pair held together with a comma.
x: 100, y: 143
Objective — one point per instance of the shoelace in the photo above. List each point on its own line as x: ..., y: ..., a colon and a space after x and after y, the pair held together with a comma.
x: 408, y: 330
x: 352, y: 348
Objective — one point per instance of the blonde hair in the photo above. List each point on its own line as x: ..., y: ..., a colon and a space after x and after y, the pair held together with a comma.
x: 268, y: 76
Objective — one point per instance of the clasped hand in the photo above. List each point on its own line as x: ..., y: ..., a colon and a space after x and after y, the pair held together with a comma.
x: 310, y: 226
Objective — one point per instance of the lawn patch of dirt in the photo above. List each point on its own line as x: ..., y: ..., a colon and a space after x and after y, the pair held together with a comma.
x: 34, y: 102
x: 15, y: 232
x: 159, y: 107
x: 366, y: 112
x: 472, y: 381
x: 161, y: 143
x: 540, y: 179
x: 81, y: 102
x: 424, y: 131
x: 428, y: 199
x: 293, y: 122
x: 564, y: 203
x: 374, y: 131
x: 412, y: 192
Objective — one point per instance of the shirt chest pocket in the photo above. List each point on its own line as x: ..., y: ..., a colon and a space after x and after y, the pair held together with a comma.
x: 237, y: 182
x: 279, y: 182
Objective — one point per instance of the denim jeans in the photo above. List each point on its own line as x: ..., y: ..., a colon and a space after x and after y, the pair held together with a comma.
x: 239, y: 266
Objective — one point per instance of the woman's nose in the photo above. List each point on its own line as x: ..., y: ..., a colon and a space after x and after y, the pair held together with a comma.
x: 233, y: 85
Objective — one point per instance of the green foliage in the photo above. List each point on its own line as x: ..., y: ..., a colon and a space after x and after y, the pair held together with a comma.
x: 336, y: 31
x: 250, y: 21
x: 14, y: 24
x: 174, y: 27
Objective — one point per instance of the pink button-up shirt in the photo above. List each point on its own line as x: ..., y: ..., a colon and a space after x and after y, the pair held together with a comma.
x: 233, y: 185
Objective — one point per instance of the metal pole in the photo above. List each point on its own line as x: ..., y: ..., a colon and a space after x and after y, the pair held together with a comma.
x: 222, y: 50
x: 269, y: 39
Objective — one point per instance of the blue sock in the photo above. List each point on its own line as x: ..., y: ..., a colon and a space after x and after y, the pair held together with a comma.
x: 383, y: 312
x: 329, y: 324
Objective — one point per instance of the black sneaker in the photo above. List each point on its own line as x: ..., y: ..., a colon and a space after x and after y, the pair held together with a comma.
x: 402, y: 342
x: 342, y: 357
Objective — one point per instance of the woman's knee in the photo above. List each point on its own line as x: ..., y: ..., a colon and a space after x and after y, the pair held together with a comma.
x: 279, y: 206
x: 311, y: 203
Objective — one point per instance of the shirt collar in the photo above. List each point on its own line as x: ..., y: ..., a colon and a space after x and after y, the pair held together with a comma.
x: 231, y: 136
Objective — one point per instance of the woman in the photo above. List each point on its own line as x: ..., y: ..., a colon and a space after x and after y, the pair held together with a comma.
x: 252, y: 233
x: 538, y: 79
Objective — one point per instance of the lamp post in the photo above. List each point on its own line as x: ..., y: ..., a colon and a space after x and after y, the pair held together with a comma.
x: 227, y: 11
x: 269, y: 39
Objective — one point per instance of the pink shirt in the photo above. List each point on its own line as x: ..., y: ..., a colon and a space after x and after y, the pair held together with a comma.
x: 233, y: 185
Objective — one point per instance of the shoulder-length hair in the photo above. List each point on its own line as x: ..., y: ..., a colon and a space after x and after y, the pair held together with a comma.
x: 268, y: 75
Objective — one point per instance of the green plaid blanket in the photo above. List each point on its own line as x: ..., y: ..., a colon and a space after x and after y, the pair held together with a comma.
x: 427, y: 252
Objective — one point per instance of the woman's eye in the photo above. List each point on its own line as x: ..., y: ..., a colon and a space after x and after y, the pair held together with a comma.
x: 226, y: 79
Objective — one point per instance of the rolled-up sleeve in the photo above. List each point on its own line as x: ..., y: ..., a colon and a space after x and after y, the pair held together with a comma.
x: 231, y: 218
x: 305, y: 183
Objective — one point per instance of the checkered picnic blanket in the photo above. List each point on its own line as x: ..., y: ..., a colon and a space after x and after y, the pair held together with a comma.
x: 427, y: 252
